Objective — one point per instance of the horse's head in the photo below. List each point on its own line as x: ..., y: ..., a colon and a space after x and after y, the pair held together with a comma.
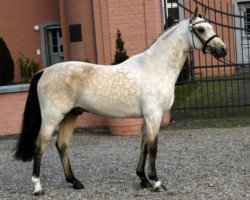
x: 203, y: 37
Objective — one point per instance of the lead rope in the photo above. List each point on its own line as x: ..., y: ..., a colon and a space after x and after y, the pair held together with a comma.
x: 228, y: 62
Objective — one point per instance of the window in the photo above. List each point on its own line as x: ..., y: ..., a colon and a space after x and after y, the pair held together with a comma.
x: 56, y: 41
x: 171, y: 11
x: 247, y: 21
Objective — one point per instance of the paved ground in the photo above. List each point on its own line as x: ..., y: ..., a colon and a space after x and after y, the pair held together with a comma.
x: 207, y: 163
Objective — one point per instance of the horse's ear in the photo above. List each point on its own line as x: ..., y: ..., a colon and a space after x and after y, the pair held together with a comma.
x: 195, y: 14
x: 204, y: 13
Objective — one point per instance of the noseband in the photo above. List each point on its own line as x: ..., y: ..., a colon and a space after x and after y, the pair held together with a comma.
x: 205, y: 43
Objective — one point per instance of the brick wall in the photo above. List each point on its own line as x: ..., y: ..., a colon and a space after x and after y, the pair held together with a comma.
x: 11, y: 111
x: 140, y: 23
x: 17, y: 19
x: 12, y: 106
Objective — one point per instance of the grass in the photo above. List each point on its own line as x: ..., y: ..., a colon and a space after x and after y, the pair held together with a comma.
x: 213, y: 97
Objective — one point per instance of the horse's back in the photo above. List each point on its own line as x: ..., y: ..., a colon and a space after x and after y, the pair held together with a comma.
x: 105, y: 90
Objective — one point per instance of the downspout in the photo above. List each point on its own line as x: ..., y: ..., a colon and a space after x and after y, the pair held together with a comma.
x: 64, y: 30
x: 94, y: 30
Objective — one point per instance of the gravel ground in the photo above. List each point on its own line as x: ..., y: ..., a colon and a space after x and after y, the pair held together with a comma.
x: 203, y: 163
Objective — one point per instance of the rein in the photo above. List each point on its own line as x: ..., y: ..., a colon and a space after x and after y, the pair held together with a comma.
x: 228, y: 62
x: 206, y: 47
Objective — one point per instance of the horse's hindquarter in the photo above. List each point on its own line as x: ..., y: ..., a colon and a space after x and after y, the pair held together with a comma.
x: 57, y: 88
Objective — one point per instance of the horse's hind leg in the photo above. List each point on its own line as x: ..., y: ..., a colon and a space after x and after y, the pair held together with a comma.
x: 44, y: 135
x: 63, y: 142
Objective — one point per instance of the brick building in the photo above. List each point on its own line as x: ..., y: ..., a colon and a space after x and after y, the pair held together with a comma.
x: 52, y: 31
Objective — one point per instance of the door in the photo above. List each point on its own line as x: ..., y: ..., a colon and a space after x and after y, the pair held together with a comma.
x: 55, y: 46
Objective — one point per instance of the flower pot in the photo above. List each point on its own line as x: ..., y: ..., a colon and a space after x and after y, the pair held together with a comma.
x: 166, y: 118
x: 125, y: 126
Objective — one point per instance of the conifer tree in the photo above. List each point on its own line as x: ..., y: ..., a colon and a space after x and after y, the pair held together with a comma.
x: 121, y: 53
x: 6, y: 64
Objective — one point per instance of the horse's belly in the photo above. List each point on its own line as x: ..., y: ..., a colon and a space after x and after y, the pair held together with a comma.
x: 119, y: 104
x: 112, y: 109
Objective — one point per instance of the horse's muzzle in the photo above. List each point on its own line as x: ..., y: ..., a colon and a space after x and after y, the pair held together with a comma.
x: 220, y: 52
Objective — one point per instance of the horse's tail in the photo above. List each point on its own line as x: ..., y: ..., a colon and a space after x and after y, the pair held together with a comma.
x: 31, y: 123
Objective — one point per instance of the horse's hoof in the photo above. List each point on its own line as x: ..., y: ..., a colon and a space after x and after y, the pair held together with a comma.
x: 39, y: 193
x: 78, y: 185
x: 146, y: 184
x: 159, y: 187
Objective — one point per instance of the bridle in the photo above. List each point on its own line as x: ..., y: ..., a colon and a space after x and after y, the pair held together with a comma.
x: 206, y: 47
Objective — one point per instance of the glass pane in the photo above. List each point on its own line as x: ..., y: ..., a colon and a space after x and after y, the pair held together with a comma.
x: 54, y: 41
x: 54, y: 35
x: 247, y: 21
x: 174, y: 14
x: 55, y: 49
x: 171, y: 1
x: 61, y: 48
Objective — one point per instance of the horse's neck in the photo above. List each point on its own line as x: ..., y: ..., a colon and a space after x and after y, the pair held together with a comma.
x: 170, y: 50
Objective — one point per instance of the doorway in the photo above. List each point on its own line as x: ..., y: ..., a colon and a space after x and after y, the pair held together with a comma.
x: 55, y: 45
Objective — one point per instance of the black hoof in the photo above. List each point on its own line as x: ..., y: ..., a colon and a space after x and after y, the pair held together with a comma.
x: 146, y: 184
x: 40, y: 193
x: 160, y: 188
x: 78, y: 185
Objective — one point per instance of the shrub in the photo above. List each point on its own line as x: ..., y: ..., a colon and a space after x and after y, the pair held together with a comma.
x: 28, y: 68
x: 6, y: 64
x: 120, y: 53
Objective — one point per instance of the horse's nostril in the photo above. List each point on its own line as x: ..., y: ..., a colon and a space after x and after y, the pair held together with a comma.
x: 223, y: 49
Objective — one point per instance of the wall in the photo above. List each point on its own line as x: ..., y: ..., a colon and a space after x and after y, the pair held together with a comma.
x: 11, y: 112
x: 140, y: 23
x: 78, y: 12
x: 17, y: 19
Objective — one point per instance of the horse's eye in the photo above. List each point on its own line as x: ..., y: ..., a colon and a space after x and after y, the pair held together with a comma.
x: 201, y: 30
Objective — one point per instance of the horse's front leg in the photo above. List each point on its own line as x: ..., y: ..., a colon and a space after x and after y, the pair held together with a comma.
x: 140, y: 171
x: 150, y: 139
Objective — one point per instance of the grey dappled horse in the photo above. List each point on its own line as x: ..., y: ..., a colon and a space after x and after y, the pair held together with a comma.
x: 142, y: 86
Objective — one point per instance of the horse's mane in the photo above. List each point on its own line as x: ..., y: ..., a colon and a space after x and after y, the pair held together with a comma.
x: 166, y: 33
